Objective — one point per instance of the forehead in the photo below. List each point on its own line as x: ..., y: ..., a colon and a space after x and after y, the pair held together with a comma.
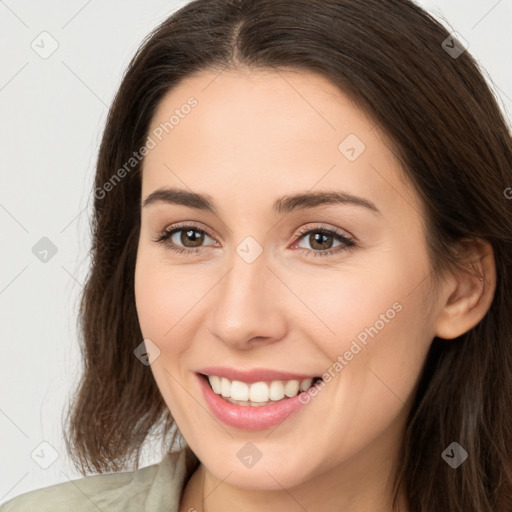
x: 245, y: 134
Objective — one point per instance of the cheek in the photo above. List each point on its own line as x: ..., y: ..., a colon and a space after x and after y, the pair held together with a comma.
x: 149, y: 300
x: 347, y: 302
x: 168, y: 300
x: 376, y: 343
x: 162, y: 301
x: 373, y: 315
x: 152, y: 298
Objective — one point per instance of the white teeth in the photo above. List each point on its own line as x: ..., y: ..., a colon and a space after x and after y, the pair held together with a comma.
x: 215, y: 382
x: 305, y: 384
x: 291, y: 388
x: 225, y: 387
x: 239, y: 390
x: 276, y: 390
x: 257, y: 392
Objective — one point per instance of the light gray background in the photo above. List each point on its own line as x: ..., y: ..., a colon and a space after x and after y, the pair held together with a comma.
x: 52, y: 114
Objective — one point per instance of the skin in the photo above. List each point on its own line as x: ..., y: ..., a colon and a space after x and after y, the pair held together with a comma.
x: 256, y: 136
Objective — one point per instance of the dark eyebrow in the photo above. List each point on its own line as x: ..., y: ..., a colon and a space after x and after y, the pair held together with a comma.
x: 183, y: 197
x: 311, y: 199
x: 284, y: 204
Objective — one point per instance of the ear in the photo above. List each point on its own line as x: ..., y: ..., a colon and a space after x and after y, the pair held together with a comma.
x: 467, y: 294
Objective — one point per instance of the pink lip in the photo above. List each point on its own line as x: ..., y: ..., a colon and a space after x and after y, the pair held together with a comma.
x: 255, y: 375
x: 244, y: 416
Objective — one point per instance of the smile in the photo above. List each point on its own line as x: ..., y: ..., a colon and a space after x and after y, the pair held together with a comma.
x: 258, y: 393
x: 256, y: 399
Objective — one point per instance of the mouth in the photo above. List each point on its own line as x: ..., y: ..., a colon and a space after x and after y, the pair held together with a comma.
x: 258, y: 398
x: 259, y: 393
x: 258, y: 404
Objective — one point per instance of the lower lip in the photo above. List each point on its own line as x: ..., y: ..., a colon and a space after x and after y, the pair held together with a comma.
x: 245, y: 416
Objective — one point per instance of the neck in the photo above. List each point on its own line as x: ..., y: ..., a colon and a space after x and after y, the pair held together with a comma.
x: 358, y: 483
x: 354, y: 486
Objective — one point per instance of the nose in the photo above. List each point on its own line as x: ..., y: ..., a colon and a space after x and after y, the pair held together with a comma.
x: 249, y: 305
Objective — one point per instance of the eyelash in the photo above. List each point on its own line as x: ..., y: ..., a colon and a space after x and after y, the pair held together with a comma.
x: 349, y: 243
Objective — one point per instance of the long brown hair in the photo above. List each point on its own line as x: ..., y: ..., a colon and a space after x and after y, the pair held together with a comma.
x: 447, y: 130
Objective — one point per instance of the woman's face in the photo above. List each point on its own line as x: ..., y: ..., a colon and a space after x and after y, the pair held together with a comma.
x: 307, y: 287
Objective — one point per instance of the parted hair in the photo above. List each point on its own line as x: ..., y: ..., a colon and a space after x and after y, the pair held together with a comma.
x: 447, y: 130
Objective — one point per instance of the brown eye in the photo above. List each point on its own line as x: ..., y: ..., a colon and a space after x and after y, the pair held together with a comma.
x: 194, y: 237
x: 184, y: 238
x: 190, y: 239
x: 321, y: 240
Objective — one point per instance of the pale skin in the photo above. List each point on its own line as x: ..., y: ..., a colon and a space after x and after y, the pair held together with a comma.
x: 254, y: 137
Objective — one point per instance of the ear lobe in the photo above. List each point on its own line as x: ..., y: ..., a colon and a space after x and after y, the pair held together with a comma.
x: 468, y: 293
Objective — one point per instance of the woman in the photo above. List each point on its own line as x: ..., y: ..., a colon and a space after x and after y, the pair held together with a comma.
x: 247, y: 139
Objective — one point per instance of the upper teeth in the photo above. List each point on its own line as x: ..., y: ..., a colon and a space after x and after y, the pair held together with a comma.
x: 257, y: 391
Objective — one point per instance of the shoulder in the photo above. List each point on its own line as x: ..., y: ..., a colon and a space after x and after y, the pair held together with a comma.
x: 150, y: 489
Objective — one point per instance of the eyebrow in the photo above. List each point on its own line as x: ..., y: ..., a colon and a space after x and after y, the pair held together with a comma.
x: 285, y: 204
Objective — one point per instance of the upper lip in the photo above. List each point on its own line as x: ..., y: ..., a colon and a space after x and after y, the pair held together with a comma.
x: 253, y: 375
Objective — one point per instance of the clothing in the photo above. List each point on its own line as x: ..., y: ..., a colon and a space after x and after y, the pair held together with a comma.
x: 155, y: 488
